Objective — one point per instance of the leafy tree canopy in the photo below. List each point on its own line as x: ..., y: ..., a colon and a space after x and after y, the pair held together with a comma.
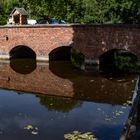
x: 76, y: 11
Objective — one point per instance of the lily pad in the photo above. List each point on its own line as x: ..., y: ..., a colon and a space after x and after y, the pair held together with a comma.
x: 34, y: 132
x: 28, y: 127
x: 76, y: 135
x: 31, y: 129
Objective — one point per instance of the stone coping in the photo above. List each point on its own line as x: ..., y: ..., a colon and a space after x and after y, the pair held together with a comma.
x: 71, y: 25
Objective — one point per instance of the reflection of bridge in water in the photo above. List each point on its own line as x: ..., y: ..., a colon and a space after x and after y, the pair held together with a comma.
x: 61, y: 79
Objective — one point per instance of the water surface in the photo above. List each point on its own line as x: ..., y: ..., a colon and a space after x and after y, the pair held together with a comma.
x: 57, y: 99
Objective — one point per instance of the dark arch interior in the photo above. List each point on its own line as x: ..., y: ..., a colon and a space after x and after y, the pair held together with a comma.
x: 61, y: 53
x: 108, y: 59
x: 22, y: 52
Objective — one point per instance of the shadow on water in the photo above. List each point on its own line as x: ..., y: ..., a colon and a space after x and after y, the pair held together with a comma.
x: 97, y: 87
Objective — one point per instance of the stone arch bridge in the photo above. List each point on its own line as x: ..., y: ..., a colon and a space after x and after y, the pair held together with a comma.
x: 91, y: 40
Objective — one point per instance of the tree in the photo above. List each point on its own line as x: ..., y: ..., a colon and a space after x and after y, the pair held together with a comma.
x: 77, y: 11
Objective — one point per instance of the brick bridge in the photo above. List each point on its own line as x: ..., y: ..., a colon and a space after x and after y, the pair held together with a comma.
x: 91, y: 40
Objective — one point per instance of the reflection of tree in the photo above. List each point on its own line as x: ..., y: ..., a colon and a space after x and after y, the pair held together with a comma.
x: 59, y: 104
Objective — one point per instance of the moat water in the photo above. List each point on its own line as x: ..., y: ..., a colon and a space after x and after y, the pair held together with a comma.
x: 45, y: 102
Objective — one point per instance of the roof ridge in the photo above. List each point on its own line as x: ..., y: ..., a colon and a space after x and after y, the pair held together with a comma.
x: 20, y: 10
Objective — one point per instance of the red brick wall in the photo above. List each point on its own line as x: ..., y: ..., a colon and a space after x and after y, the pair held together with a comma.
x: 94, y: 40
x: 91, y: 40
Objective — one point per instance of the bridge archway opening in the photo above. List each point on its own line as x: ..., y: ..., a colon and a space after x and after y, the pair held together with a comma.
x: 118, y: 60
x: 22, y: 51
x: 60, y: 54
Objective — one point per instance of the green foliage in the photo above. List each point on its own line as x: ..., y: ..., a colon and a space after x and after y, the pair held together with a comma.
x: 77, y: 11
x: 77, y: 58
x: 125, y: 63
x: 2, y: 20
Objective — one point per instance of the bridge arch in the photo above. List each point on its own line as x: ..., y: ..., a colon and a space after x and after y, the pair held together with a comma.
x: 68, y: 53
x: 60, y: 53
x: 118, y: 58
x: 22, y: 51
x: 109, y: 56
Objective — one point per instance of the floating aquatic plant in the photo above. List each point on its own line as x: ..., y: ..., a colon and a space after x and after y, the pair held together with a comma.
x: 76, y: 135
x: 33, y: 130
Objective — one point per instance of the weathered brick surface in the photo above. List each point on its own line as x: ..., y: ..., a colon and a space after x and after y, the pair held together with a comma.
x: 91, y: 40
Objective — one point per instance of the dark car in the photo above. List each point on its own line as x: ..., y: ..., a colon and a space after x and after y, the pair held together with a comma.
x: 45, y: 21
x: 42, y: 21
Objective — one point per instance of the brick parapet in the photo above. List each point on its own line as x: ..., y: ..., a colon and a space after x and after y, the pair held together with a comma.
x: 92, y: 40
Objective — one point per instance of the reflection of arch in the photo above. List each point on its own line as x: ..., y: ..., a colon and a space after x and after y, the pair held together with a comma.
x: 61, y: 53
x: 23, y: 66
x: 94, y: 86
x: 22, y: 51
x: 117, y: 60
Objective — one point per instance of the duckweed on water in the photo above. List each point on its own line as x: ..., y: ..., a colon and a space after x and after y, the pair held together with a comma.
x: 76, y: 135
